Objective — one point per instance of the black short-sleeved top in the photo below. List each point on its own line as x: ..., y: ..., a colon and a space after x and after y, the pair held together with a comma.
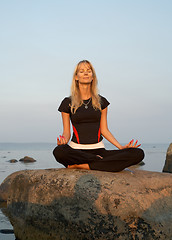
x: 85, y: 122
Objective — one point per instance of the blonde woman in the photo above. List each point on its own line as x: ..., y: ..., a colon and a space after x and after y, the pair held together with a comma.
x: 87, y: 112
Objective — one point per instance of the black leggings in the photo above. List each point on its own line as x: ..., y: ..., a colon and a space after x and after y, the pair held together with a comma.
x: 112, y: 161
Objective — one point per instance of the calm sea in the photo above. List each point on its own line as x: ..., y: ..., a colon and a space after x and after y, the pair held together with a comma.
x: 155, y: 155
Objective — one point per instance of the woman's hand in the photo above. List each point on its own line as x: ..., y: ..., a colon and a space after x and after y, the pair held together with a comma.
x: 131, y: 144
x: 61, y: 140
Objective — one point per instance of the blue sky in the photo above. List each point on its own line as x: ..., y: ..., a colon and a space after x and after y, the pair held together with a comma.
x: 129, y: 44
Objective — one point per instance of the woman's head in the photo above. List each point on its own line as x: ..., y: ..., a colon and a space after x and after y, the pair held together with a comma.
x: 84, y: 73
x: 84, y: 69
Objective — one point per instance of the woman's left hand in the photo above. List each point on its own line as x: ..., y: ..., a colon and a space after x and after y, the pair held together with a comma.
x: 132, y: 144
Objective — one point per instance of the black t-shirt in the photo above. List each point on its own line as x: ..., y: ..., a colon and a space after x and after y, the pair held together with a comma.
x: 85, y: 121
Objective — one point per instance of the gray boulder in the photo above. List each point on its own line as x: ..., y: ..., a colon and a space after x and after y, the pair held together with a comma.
x: 168, y: 161
x: 79, y: 204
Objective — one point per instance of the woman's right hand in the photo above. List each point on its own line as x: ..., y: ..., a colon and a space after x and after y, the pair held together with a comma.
x: 61, y: 140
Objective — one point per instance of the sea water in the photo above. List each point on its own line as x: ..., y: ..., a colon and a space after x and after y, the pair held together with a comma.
x: 155, y: 155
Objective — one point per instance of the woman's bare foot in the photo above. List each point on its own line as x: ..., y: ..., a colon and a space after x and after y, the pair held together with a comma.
x: 79, y: 166
x: 99, y: 156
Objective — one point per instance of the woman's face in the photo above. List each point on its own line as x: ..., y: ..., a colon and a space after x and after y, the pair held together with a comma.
x: 84, y: 74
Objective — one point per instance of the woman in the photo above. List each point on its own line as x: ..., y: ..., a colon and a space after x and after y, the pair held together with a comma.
x: 87, y: 111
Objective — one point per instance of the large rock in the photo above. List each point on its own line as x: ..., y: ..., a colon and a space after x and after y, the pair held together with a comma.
x: 6, y: 186
x: 168, y: 161
x: 80, y: 204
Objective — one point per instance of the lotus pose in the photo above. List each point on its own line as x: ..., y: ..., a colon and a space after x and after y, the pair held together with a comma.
x: 87, y: 111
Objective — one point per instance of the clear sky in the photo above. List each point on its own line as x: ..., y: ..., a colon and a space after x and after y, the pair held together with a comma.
x: 129, y: 43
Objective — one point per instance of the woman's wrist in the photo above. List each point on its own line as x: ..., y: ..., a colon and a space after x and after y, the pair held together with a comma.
x: 121, y: 147
x: 118, y: 145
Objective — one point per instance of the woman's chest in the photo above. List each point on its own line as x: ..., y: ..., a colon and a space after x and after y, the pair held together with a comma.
x: 84, y: 115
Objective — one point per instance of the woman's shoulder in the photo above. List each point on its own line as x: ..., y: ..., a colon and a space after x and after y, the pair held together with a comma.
x: 102, y: 97
x: 67, y: 99
x: 103, y: 101
x: 65, y: 105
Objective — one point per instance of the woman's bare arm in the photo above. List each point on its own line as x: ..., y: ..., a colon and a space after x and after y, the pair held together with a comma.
x: 64, y: 139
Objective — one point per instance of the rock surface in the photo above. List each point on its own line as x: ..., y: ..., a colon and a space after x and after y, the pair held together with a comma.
x: 5, y: 187
x: 168, y: 161
x: 80, y: 204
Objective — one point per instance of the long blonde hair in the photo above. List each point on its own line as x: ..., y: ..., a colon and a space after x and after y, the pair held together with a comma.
x: 76, y: 100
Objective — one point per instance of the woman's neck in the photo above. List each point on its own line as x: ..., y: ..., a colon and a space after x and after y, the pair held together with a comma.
x: 85, y: 91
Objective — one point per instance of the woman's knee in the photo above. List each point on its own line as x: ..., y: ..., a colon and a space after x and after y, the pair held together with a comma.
x: 141, y: 154
x: 59, y: 152
x: 138, y: 155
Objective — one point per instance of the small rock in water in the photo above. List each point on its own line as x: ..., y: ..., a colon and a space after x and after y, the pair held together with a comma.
x: 13, y: 161
x: 141, y: 163
x: 27, y: 159
x: 7, y: 231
